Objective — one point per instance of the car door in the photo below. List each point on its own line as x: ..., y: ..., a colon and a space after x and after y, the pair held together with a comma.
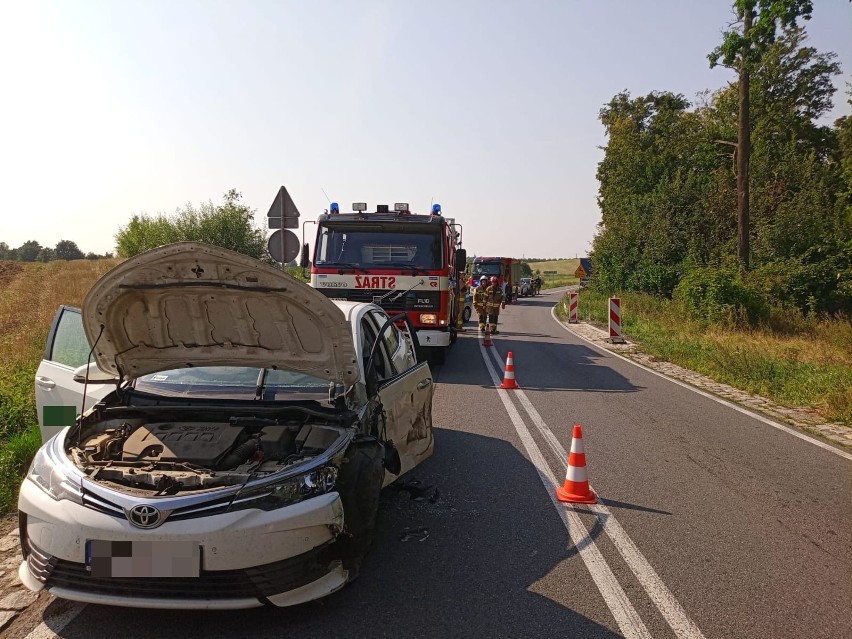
x: 55, y: 389
x: 405, y: 390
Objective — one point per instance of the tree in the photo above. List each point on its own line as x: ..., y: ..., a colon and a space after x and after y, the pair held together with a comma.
x: 67, y: 250
x: 28, y: 251
x: 4, y: 251
x: 742, y: 49
x: 229, y: 225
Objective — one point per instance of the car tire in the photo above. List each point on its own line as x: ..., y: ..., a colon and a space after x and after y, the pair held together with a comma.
x: 359, y: 483
x: 466, y: 313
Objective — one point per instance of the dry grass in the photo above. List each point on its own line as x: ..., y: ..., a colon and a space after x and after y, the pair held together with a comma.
x: 29, y: 299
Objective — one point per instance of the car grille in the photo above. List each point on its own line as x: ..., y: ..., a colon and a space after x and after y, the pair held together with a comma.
x: 203, y: 509
x: 257, y: 582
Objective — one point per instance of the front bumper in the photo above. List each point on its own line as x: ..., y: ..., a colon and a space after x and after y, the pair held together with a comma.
x: 433, y: 338
x: 248, y: 557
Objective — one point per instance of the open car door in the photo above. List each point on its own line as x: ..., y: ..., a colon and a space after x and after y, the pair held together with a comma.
x: 405, y: 388
x: 59, y: 399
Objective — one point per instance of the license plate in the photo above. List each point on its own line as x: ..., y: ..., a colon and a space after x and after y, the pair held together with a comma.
x: 143, y: 558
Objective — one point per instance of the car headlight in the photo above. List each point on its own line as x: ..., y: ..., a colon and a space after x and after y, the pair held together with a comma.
x: 46, y: 472
x: 428, y: 318
x: 289, y: 491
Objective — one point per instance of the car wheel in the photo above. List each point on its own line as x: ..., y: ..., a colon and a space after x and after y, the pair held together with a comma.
x: 466, y: 314
x: 359, y: 483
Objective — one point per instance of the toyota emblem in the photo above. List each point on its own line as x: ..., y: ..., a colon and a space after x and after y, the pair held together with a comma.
x: 144, y: 516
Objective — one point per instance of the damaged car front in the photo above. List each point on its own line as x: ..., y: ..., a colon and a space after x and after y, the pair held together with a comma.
x: 239, y: 460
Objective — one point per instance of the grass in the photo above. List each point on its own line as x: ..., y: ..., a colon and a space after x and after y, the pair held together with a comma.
x: 29, y: 297
x: 564, y: 275
x: 793, y: 360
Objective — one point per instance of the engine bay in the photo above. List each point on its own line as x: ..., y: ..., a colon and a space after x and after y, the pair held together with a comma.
x: 173, y: 456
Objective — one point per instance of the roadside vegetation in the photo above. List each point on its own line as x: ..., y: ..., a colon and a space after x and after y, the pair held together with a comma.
x: 29, y: 296
x: 790, y: 358
x: 555, y: 273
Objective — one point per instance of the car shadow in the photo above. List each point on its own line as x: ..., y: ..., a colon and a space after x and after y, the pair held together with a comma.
x: 478, y: 560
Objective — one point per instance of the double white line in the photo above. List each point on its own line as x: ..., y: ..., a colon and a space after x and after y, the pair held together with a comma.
x: 628, y: 620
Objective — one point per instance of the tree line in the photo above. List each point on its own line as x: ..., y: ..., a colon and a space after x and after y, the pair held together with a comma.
x: 743, y: 200
x: 32, y: 251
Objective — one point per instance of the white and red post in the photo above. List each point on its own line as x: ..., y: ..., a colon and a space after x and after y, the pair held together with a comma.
x: 615, y: 321
x: 573, y: 303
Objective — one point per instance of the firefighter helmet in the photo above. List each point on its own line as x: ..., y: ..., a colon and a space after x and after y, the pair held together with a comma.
x: 484, y: 278
x: 493, y: 279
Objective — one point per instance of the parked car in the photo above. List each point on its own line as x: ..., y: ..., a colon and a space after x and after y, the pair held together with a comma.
x: 246, y: 426
x: 525, y: 287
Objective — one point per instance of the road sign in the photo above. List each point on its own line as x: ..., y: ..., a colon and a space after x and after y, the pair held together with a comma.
x: 283, y: 249
x: 284, y: 209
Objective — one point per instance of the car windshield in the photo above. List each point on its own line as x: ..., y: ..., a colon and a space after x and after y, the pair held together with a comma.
x: 233, y: 382
x: 380, y: 247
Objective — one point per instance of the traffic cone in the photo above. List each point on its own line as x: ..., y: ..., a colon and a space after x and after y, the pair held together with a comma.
x: 487, y: 341
x: 576, y: 489
x: 509, y: 382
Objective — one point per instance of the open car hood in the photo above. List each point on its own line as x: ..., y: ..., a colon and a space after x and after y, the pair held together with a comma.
x: 192, y: 304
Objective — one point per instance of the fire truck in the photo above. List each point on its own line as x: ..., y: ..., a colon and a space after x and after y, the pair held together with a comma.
x: 507, y: 270
x: 397, y: 259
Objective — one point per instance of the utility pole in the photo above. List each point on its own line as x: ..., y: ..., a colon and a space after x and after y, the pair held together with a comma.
x: 744, y: 145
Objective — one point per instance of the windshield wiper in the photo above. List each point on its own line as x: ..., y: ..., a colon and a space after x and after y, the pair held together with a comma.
x: 414, y: 269
x: 340, y: 266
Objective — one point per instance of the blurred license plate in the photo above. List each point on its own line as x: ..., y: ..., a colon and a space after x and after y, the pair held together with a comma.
x: 143, y: 558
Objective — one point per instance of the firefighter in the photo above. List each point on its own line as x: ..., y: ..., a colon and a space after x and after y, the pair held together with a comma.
x: 495, y: 301
x: 480, y: 301
x: 460, y: 306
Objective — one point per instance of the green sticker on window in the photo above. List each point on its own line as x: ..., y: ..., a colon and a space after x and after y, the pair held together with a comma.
x: 60, y: 415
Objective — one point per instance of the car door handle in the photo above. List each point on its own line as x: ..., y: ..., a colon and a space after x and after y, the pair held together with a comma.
x: 424, y: 383
x: 45, y: 382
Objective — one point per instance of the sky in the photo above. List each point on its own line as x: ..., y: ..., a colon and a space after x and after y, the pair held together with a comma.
x: 489, y: 107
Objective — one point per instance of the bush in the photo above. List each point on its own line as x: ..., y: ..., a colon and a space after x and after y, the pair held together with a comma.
x: 720, y: 295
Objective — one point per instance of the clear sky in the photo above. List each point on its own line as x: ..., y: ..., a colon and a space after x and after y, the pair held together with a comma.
x: 490, y: 107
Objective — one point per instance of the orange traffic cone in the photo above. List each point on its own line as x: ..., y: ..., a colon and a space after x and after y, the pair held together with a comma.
x: 509, y: 382
x: 487, y: 341
x: 576, y: 488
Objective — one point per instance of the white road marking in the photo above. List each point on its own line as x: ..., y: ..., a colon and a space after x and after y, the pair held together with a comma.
x: 628, y: 620
x: 659, y: 593
x: 50, y: 628
x: 716, y: 399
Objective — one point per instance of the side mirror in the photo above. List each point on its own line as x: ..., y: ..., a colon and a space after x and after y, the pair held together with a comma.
x: 305, y: 262
x: 96, y: 375
x: 461, y: 260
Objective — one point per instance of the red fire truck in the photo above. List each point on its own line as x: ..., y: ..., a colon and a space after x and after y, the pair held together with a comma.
x: 397, y: 259
x: 507, y: 270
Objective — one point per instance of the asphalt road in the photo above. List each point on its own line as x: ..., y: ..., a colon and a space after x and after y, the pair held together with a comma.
x: 711, y: 523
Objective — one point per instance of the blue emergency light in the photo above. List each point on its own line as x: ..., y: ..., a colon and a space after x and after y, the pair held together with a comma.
x: 334, y: 207
x: 436, y: 209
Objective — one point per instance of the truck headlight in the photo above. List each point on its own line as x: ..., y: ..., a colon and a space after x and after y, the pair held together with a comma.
x: 428, y: 318
x: 288, y: 491
x: 46, y: 472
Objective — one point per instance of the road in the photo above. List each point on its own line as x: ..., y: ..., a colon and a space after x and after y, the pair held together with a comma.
x: 711, y: 523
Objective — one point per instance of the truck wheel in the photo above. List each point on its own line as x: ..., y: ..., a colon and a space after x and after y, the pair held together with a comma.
x: 466, y: 314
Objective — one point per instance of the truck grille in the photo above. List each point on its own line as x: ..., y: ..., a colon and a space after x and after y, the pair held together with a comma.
x: 427, y: 300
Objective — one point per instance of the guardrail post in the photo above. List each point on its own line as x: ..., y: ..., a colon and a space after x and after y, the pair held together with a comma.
x: 615, y: 321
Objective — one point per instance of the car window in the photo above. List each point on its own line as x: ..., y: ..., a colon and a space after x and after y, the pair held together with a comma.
x: 232, y: 382
x: 68, y: 344
x: 381, y: 362
x: 390, y: 336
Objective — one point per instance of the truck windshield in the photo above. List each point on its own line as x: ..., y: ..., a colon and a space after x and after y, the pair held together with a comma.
x: 384, y: 248
x: 486, y: 268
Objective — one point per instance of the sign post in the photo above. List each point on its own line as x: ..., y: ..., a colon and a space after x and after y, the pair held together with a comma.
x: 283, y: 214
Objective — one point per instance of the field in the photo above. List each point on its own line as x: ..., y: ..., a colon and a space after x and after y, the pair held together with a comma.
x: 564, y: 275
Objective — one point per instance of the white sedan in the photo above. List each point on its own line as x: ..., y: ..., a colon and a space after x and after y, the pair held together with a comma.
x: 243, y: 429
